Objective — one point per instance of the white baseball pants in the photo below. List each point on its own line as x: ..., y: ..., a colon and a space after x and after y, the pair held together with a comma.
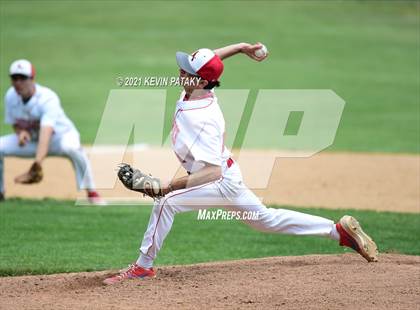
x: 66, y: 144
x: 230, y: 194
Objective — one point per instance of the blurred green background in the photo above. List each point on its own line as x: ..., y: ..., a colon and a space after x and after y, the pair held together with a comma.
x: 366, y: 51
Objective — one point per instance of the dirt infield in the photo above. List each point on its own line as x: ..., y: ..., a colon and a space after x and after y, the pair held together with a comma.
x: 303, y: 282
x: 386, y: 182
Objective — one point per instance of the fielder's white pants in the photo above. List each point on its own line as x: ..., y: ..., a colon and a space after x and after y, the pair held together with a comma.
x: 231, y: 194
x: 66, y: 144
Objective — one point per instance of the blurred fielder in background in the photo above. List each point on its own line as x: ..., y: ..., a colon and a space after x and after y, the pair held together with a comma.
x: 41, y: 129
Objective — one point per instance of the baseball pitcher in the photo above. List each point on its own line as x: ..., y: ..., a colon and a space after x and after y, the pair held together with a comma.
x: 214, y: 178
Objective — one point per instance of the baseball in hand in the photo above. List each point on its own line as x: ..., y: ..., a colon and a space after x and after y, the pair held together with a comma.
x: 261, y: 52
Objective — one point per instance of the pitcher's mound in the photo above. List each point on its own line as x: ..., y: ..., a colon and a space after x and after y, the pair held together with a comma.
x: 303, y: 282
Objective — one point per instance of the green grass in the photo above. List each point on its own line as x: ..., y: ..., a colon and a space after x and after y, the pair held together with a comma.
x: 366, y: 51
x: 49, y: 236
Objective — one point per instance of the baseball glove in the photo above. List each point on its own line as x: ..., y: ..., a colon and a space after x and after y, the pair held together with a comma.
x: 136, y: 180
x: 34, y: 175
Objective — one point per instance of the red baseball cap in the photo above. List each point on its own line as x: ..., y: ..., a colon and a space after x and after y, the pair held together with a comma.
x: 203, y: 62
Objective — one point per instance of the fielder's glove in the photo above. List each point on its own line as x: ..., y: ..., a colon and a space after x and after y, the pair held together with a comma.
x: 136, y: 180
x: 34, y: 175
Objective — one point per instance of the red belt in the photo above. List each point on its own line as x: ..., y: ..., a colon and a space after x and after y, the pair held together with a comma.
x: 230, y: 162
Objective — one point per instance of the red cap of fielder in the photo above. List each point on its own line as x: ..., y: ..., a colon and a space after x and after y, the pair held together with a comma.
x: 22, y: 67
x: 204, y: 63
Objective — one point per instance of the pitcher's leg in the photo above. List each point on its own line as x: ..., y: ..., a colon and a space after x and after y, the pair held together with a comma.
x: 163, y: 213
x: 347, y: 231
x: 160, y: 223
x: 283, y: 221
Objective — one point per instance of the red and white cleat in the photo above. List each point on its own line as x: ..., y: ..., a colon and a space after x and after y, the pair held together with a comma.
x: 133, y: 272
x: 95, y: 199
x: 352, y: 236
x: 127, y: 268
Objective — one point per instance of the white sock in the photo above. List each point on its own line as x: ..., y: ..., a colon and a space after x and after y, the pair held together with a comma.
x: 145, y: 261
x: 334, y: 233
